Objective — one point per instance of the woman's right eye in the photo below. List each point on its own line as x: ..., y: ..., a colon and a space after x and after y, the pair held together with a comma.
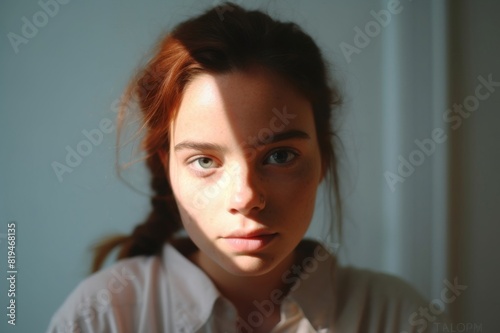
x: 205, y: 162
x: 203, y: 166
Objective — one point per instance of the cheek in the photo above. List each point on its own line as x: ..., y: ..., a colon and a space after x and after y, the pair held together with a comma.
x: 185, y: 195
x: 296, y: 196
x: 302, y: 198
x: 189, y: 198
x: 197, y: 204
x: 195, y: 214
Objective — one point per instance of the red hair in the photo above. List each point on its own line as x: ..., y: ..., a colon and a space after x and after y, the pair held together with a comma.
x: 215, y: 43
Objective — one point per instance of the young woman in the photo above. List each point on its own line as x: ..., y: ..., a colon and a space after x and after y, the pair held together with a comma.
x: 236, y: 109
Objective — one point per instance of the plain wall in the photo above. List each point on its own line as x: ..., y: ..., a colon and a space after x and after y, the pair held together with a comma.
x: 475, y: 165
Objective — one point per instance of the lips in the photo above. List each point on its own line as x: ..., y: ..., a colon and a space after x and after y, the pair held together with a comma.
x: 249, y: 241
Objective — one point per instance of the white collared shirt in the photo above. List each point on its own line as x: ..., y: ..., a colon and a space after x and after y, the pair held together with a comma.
x: 169, y: 294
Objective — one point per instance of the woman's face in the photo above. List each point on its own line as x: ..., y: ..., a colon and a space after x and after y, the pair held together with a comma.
x: 244, y: 166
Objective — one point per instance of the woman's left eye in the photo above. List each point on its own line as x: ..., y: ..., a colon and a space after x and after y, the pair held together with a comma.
x: 281, y: 157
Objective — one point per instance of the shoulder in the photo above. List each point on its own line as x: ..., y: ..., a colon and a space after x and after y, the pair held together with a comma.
x: 358, y: 300
x: 376, y: 286
x: 112, y: 293
x: 351, y: 283
x: 379, y: 300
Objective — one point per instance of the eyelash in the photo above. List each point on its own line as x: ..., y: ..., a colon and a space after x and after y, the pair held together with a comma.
x: 289, y: 151
x: 198, y: 169
x: 205, y: 172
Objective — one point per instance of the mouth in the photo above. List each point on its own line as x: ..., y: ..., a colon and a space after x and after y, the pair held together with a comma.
x: 249, y: 242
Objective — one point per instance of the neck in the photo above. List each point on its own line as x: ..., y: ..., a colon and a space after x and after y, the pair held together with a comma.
x: 246, y: 293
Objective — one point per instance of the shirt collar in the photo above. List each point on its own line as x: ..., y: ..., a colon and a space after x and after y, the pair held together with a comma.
x: 194, y: 294
x: 191, y: 290
x: 314, y: 289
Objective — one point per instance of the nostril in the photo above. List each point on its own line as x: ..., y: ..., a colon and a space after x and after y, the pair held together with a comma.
x: 246, y: 202
x: 245, y: 194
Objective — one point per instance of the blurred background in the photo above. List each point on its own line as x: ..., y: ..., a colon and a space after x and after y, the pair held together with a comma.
x: 419, y: 128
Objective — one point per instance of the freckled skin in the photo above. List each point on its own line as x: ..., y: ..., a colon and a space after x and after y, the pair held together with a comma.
x: 220, y: 191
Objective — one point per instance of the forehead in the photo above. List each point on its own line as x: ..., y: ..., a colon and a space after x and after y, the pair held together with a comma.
x: 239, y: 104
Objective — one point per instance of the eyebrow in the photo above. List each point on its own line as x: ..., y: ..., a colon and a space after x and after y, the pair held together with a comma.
x: 292, y: 134
x: 201, y: 146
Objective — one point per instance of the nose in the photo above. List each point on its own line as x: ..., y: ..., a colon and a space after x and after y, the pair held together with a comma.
x: 246, y: 192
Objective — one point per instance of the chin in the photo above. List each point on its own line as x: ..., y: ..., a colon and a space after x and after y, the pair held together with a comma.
x: 249, y: 265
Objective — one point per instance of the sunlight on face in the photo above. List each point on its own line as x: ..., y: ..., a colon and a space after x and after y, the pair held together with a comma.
x: 244, y: 166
